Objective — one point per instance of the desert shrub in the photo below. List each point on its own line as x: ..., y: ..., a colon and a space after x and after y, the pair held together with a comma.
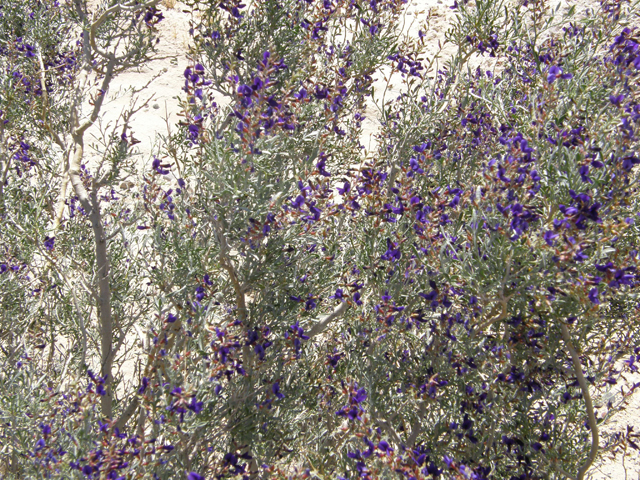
x: 446, y: 305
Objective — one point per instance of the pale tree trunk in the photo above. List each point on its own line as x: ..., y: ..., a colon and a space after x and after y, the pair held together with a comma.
x: 91, y: 203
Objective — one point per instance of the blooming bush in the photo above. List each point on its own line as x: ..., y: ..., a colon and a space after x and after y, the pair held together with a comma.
x: 450, y: 304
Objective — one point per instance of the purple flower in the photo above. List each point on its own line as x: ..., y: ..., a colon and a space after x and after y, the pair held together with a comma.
x: 355, y: 454
x: 48, y: 242
x: 339, y: 295
x: 432, y: 469
x: 549, y: 237
x: 356, y: 298
x: 556, y: 72
x: 194, y: 405
x: 334, y: 359
x: 259, y: 349
x: 360, y: 396
x: 385, y: 447
x: 245, y: 90
x: 298, y: 202
x: 345, y: 189
x: 616, y: 99
x: 353, y: 414
x: 392, y: 253
x: 421, y: 148
x: 298, y: 330
x: 158, y: 166
x: 310, y: 304
x: 603, y: 268
x: 322, y: 164
x: 629, y: 161
x: 584, y: 174
x: 144, y: 385
x: 593, y: 296
x: 194, y: 476
x: 200, y: 293
x: 467, y: 423
x: 321, y: 92
x: 315, y: 214
x: 415, y: 166
x: 194, y: 131
x: 276, y: 390
x: 39, y: 445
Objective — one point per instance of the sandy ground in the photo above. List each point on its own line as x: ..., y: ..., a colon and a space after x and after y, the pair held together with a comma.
x: 161, y: 96
x: 163, y: 107
x: 616, y: 464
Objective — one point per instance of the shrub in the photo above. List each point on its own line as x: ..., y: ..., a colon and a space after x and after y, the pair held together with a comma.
x: 444, y: 306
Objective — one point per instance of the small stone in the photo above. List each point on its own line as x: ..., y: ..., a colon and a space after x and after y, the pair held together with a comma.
x: 156, y: 106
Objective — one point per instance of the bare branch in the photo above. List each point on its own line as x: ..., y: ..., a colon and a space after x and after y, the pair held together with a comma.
x: 134, y: 7
x: 97, y: 105
x: 320, y: 326
x: 153, y: 362
x: 416, y: 428
x: 128, y: 412
x: 494, y: 316
x: 226, y: 263
x: 91, y: 204
x: 591, y: 417
x: 386, y: 426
